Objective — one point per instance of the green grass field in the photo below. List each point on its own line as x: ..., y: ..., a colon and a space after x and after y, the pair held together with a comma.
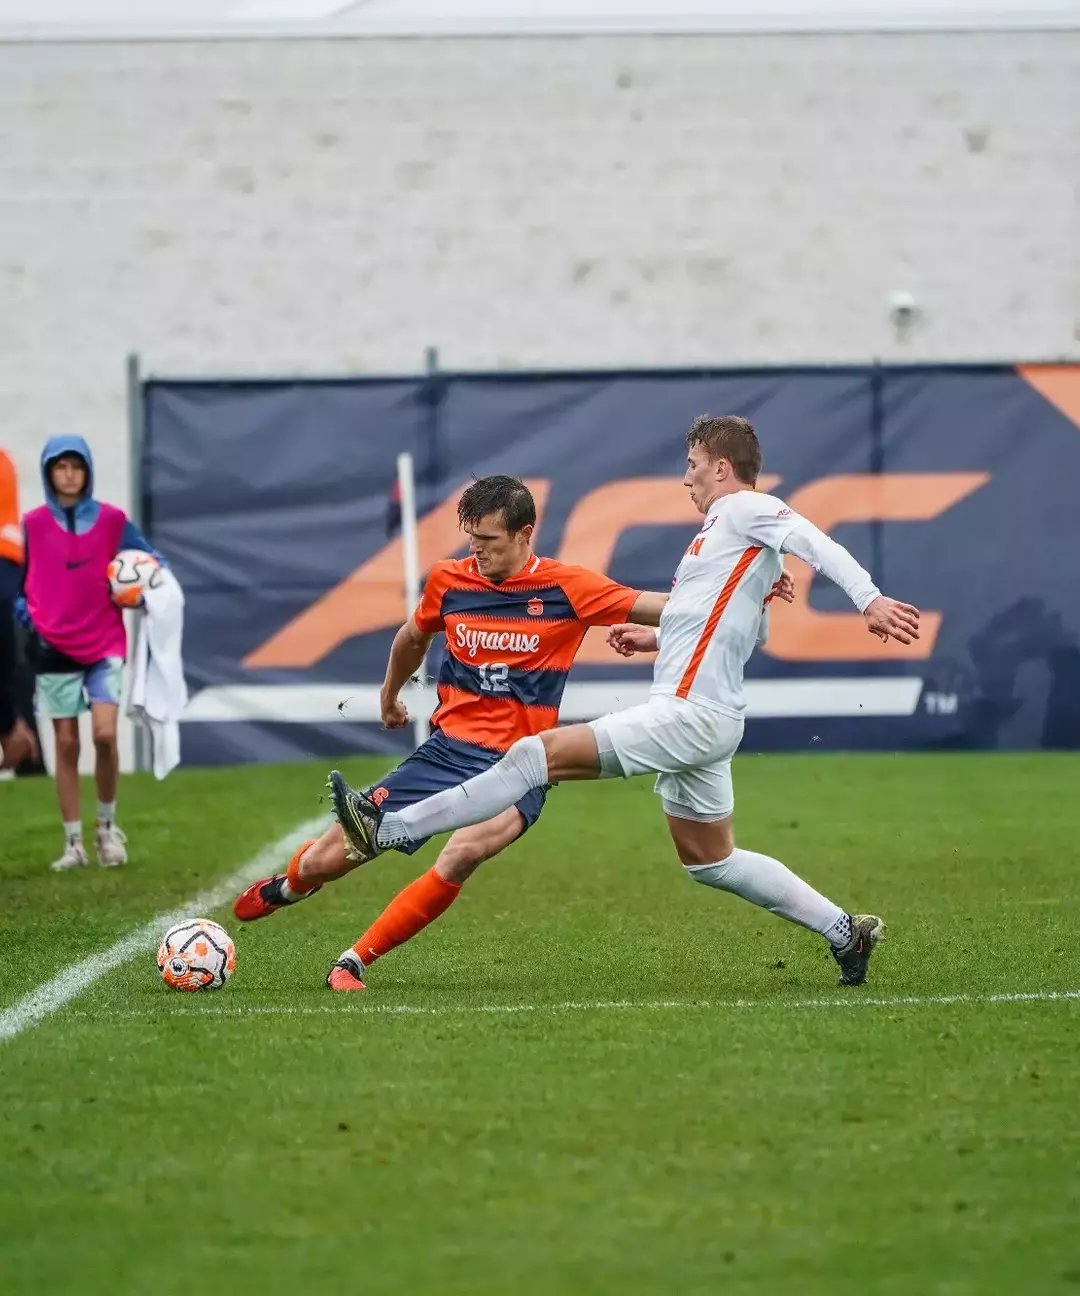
x: 590, y: 1077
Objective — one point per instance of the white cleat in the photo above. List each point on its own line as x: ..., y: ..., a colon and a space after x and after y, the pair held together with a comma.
x: 110, y: 843
x: 74, y: 857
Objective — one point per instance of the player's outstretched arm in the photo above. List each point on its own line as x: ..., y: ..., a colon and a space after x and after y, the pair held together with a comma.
x: 406, y: 656
x: 647, y: 608
x: 885, y: 617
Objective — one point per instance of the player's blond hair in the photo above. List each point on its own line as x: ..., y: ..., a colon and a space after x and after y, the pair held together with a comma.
x: 727, y: 436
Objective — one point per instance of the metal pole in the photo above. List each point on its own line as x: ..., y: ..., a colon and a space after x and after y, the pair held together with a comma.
x: 411, y: 556
x: 135, y: 506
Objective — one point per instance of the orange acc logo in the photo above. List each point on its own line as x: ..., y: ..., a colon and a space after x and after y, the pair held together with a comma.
x: 369, y: 599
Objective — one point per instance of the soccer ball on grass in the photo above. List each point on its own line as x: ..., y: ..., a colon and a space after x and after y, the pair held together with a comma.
x: 196, y: 955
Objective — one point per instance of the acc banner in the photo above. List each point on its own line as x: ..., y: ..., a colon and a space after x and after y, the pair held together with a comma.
x: 274, y: 502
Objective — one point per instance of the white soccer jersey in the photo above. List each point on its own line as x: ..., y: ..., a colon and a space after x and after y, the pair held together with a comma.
x: 713, y: 619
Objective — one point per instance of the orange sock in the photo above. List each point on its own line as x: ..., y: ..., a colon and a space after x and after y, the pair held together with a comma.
x: 299, y: 885
x: 409, y: 912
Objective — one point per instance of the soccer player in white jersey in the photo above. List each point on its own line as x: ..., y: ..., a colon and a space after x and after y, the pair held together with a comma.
x: 691, y: 726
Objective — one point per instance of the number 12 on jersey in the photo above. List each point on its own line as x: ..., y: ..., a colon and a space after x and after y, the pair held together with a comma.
x: 493, y: 677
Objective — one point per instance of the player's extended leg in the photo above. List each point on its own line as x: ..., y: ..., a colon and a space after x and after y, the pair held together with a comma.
x: 428, y: 897
x: 710, y: 856
x: 434, y: 765
x: 322, y: 859
x: 556, y: 756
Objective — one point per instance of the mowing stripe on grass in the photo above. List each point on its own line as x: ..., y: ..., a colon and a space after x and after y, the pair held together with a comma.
x: 854, y: 1000
x: 77, y: 977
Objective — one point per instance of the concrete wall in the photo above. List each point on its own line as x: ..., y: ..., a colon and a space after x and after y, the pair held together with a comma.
x: 337, y: 206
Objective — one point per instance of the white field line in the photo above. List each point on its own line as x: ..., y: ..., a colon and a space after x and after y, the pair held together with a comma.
x: 337, y: 1008
x: 71, y: 981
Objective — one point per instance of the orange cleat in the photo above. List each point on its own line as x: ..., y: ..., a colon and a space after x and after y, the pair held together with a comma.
x: 345, y: 975
x: 262, y: 898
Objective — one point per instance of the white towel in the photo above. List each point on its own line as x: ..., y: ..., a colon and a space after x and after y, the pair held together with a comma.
x: 158, y: 689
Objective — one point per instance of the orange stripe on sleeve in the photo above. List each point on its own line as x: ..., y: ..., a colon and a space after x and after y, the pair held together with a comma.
x: 722, y: 600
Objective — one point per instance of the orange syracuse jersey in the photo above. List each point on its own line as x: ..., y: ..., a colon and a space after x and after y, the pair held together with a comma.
x: 510, y: 646
x: 11, y: 536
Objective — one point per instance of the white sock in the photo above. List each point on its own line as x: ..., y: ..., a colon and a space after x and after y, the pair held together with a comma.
x: 72, y: 831
x: 766, y: 882
x: 287, y: 893
x: 840, y: 935
x: 523, y: 768
x: 106, y: 812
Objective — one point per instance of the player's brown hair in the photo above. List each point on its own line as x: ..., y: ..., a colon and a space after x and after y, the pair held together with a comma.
x: 727, y: 436
x: 508, y: 496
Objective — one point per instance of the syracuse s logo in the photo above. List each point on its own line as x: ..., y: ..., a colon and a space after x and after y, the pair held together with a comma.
x: 369, y: 599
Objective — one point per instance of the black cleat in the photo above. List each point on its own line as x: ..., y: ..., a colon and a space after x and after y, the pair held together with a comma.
x: 854, y: 959
x: 359, y: 819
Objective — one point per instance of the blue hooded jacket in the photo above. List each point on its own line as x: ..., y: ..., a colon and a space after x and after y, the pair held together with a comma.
x: 85, y: 513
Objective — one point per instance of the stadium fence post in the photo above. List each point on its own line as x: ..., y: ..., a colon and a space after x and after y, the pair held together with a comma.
x: 140, y: 737
x: 410, y: 549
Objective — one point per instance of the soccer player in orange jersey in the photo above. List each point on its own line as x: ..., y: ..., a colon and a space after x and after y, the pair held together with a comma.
x: 514, y: 622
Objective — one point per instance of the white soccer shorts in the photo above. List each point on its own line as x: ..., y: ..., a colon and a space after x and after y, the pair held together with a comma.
x: 688, y: 746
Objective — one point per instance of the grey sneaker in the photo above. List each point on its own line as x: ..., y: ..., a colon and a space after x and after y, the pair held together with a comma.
x: 867, y: 930
x: 74, y: 857
x: 359, y: 819
x: 110, y: 842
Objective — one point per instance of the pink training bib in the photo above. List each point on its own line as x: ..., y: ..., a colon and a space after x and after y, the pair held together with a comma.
x: 67, y: 592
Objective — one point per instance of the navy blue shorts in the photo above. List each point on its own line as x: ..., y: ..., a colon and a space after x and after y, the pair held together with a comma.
x: 441, y: 763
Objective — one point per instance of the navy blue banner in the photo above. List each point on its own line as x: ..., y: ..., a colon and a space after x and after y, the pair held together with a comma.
x: 275, y: 503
